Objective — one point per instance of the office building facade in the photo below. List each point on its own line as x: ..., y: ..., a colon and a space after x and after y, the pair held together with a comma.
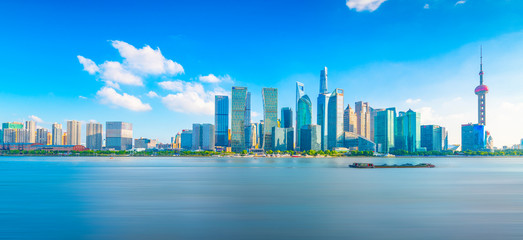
x: 335, y: 119
x: 473, y: 137
x: 384, y: 131
x: 270, y: 115
x: 239, y: 99
x: 310, y: 138
x: 221, y: 120
x: 119, y: 135
x: 93, y: 135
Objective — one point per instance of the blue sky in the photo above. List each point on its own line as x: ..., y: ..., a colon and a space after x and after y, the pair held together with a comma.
x: 414, y: 54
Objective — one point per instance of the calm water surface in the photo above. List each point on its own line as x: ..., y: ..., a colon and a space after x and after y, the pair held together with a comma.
x: 244, y: 198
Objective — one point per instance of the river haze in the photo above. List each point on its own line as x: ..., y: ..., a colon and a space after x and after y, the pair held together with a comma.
x: 264, y: 198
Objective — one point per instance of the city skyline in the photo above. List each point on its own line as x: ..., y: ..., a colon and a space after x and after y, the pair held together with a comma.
x: 439, y: 73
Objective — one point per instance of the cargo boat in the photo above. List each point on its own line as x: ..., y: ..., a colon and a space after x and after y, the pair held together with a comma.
x: 408, y: 165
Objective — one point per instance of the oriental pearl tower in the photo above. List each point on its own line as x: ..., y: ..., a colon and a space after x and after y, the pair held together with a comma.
x: 481, y: 91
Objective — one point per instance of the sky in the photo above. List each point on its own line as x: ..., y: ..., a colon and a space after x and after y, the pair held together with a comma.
x: 158, y: 64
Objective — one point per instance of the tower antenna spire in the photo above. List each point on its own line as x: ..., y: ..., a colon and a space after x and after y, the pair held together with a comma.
x: 481, y: 65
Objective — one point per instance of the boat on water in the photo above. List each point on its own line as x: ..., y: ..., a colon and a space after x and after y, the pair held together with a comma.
x: 407, y: 165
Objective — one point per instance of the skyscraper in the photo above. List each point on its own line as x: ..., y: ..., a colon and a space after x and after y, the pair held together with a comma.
x: 221, y: 120
x: 363, y: 118
x: 270, y: 115
x: 74, y: 132
x: 57, y: 134
x: 247, y: 121
x: 119, y: 135
x: 41, y: 136
x: 186, y: 139
x: 30, y: 126
x: 239, y: 99
x: 207, y: 135
x: 323, y: 98
x: 349, y: 120
x: 303, y: 117
x: 408, y: 131
x: 473, y: 137
x: 481, y: 91
x: 335, y: 119
x: 286, y: 117
x: 373, y: 114
x: 310, y: 138
x: 93, y: 135
x: 384, y: 130
x: 433, y: 137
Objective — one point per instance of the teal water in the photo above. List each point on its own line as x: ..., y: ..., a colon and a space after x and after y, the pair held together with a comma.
x: 244, y: 198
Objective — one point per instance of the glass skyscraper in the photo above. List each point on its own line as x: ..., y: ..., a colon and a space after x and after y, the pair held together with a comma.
x: 239, y: 100
x: 323, y: 99
x: 384, y: 130
x: 473, y: 137
x: 286, y: 117
x: 270, y: 115
x: 408, y: 131
x: 310, y: 138
x: 433, y: 137
x: 221, y: 120
x: 93, y: 136
x: 335, y: 119
x: 303, y: 117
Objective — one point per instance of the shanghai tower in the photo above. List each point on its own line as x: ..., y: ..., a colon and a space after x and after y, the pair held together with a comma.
x: 323, y: 99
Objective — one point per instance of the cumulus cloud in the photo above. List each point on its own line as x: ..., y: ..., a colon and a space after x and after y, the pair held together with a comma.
x: 460, y: 2
x: 136, y: 65
x: 211, y: 78
x: 89, y: 65
x: 109, y: 96
x: 364, y: 5
x: 152, y: 94
x: 192, y: 99
x: 146, y: 60
x: 114, y: 72
x: 175, y: 86
x: 35, y: 118
x: 412, y: 101
x: 426, y: 6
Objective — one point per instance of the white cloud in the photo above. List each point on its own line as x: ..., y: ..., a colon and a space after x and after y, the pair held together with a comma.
x: 426, y: 6
x: 192, y: 99
x: 175, y: 86
x: 460, y: 2
x: 364, y: 5
x: 82, y: 97
x: 152, y: 94
x: 114, y: 72
x: 111, y: 97
x: 146, y: 60
x: 211, y: 78
x: 35, y: 118
x: 412, y: 101
x: 89, y: 65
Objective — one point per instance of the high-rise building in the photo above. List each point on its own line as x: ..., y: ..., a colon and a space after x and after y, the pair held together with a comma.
x: 310, y: 138
x: 239, y: 99
x: 41, y: 136
x: 176, y: 141
x: 270, y: 115
x: 207, y: 134
x: 384, y: 130
x: 282, y: 139
x: 11, y: 131
x: 196, y: 136
x: 186, y: 139
x: 303, y: 117
x: 323, y: 99
x: 349, y: 120
x: 481, y: 91
x: 408, y: 131
x: 145, y: 143
x: 49, y: 138
x: 251, y: 133
x: 119, y: 135
x: 30, y: 126
x: 433, y: 137
x: 260, y: 134
x: 473, y: 137
x: 64, y: 139
x: 373, y: 114
x: 362, y: 110
x: 286, y: 117
x: 74, y: 132
x: 335, y: 119
x: 93, y: 135
x: 247, y: 121
x: 221, y: 120
x: 57, y: 134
